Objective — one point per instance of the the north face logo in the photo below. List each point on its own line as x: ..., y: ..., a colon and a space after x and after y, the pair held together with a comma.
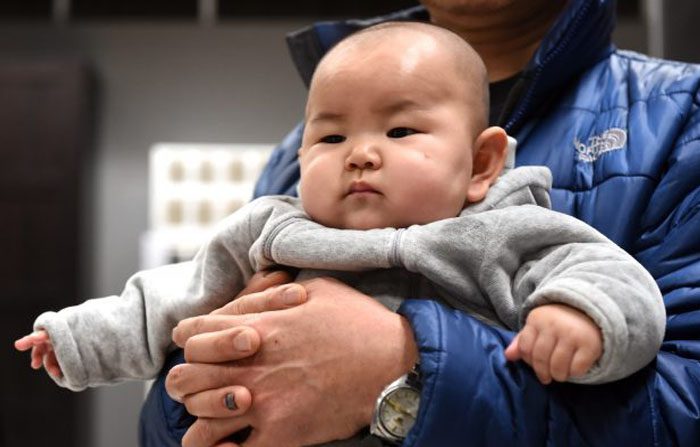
x: 610, y: 140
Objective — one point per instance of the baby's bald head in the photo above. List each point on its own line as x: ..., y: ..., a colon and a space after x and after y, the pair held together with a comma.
x: 413, y: 43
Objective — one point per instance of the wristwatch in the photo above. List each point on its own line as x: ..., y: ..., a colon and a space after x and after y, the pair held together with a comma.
x: 397, y: 408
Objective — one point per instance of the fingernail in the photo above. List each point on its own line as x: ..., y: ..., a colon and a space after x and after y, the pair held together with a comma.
x: 291, y: 295
x: 229, y: 402
x: 242, y: 342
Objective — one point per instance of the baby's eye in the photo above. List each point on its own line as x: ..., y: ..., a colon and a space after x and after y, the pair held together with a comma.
x: 400, y: 132
x: 333, y: 139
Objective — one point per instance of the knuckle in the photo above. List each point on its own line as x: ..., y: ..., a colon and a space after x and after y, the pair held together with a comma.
x: 197, y: 324
x: 224, y: 344
x: 199, y: 433
x: 206, y: 431
x: 173, y: 381
x: 187, y: 401
x: 274, y: 294
x: 187, y: 349
x: 237, y: 306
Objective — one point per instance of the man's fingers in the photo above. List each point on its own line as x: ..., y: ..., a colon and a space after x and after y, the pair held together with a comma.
x: 264, y: 280
x: 201, y: 324
x: 275, y: 298
x: 223, y: 346
x: 207, y: 432
x: 189, y: 378
x: 220, y: 403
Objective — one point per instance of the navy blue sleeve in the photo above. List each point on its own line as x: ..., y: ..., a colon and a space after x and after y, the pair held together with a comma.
x: 470, y: 392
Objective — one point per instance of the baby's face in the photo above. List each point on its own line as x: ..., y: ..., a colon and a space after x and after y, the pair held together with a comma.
x: 388, y: 139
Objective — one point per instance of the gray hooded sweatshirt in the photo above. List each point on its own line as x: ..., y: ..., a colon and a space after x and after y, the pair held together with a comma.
x: 497, y: 260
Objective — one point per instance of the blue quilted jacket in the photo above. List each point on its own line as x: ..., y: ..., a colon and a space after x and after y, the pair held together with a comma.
x: 621, y: 134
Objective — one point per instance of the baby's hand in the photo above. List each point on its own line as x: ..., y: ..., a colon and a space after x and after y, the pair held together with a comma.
x: 558, y: 341
x: 42, y: 351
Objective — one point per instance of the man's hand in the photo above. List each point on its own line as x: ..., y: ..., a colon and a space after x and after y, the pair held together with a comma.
x: 42, y: 352
x: 558, y: 342
x: 318, y: 371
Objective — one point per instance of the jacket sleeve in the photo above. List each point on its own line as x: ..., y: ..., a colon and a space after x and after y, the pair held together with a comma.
x: 91, y: 339
x: 471, y: 393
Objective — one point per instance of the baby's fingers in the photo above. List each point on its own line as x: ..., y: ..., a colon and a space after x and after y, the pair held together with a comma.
x: 526, y: 342
x: 31, y: 340
x: 38, y: 353
x: 51, y: 364
x: 560, y: 363
x: 512, y: 352
x: 541, y: 355
x: 583, y: 361
x: 24, y: 343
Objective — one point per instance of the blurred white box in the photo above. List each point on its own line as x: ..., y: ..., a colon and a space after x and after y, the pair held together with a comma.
x: 191, y: 188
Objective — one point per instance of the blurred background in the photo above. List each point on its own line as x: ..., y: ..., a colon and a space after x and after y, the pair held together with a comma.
x: 90, y: 88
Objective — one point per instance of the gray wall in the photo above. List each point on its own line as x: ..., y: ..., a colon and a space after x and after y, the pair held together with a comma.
x: 231, y: 82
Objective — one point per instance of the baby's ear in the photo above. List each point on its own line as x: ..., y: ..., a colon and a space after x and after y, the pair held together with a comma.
x: 489, y: 155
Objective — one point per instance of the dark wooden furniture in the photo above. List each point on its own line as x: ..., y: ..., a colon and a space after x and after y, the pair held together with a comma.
x: 46, y: 123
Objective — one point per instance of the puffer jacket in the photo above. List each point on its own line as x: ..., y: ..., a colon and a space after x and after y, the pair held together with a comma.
x: 621, y: 134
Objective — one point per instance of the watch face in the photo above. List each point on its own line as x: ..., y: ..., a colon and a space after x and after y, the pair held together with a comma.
x: 398, y: 411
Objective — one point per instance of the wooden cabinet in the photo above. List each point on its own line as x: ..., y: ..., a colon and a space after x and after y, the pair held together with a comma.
x: 46, y: 123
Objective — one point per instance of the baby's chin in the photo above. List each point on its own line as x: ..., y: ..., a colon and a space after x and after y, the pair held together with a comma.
x: 364, y: 220
x: 372, y: 224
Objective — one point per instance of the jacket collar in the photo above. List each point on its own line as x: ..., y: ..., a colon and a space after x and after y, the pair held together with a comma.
x: 578, y: 39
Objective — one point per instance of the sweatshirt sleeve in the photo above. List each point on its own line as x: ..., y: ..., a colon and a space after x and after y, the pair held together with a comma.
x: 501, y: 264
x: 292, y: 239
x: 110, y: 339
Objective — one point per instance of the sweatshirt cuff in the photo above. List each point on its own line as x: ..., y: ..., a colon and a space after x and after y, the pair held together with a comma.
x: 598, y: 306
x: 75, y: 376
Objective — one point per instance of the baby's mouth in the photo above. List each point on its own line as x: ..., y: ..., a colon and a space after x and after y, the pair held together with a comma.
x: 362, y: 187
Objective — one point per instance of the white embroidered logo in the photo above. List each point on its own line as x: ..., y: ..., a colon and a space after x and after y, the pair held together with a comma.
x: 610, y: 140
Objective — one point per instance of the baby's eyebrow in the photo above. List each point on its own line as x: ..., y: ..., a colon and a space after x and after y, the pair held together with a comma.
x: 400, y: 106
x: 325, y: 116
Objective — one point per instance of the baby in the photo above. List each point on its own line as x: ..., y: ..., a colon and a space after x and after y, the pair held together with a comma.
x: 402, y: 195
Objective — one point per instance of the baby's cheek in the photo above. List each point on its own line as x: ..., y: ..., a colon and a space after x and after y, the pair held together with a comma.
x: 319, y: 210
x: 432, y: 201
